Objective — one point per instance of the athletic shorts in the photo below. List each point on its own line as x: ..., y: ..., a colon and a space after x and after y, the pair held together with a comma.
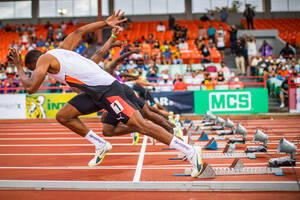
x: 113, y: 100
x: 138, y: 102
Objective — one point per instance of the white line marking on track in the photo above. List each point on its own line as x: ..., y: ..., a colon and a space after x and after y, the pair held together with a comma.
x: 63, y: 138
x: 139, y: 166
x: 148, y: 167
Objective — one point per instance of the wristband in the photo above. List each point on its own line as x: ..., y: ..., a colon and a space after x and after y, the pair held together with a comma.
x: 114, y: 36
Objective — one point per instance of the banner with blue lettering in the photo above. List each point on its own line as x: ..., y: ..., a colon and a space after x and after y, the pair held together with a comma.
x: 178, y: 102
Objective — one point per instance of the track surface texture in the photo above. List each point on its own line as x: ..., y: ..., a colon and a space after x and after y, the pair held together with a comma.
x: 40, y: 159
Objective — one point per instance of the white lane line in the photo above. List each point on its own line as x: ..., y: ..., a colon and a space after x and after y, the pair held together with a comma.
x: 88, y: 154
x: 139, y: 166
x: 68, y: 145
x: 150, y: 167
x: 63, y: 138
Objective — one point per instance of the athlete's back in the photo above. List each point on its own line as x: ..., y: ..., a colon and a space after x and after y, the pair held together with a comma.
x: 74, y: 67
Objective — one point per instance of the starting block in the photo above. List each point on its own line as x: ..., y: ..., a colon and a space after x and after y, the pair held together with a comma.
x: 236, y: 168
x: 225, y: 132
x: 212, y: 144
x: 203, y: 137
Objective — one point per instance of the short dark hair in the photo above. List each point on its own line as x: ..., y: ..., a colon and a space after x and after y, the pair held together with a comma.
x: 32, y: 56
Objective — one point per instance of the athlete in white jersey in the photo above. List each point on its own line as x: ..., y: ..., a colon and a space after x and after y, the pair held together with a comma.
x: 105, y: 91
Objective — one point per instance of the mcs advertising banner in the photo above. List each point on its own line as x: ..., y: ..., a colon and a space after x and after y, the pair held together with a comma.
x: 47, y: 105
x: 12, y: 106
x: 178, y: 102
x: 253, y: 100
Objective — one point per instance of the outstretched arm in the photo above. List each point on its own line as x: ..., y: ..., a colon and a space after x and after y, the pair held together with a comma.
x: 33, y: 83
x: 98, y: 55
x: 115, y: 63
x: 75, y: 37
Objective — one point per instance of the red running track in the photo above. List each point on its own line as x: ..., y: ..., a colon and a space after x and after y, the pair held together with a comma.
x: 39, y: 150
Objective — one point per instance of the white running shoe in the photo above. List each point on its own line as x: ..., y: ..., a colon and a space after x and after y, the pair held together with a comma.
x: 100, y: 154
x: 135, y: 138
x: 282, y: 105
x: 196, y: 161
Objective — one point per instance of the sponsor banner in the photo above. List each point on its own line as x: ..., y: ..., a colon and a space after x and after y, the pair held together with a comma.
x: 294, y: 100
x: 178, y: 102
x: 12, y: 106
x: 231, y: 101
x: 47, y: 105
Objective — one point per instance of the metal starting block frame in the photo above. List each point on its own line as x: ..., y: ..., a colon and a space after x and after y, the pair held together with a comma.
x: 236, y: 168
x: 220, y: 155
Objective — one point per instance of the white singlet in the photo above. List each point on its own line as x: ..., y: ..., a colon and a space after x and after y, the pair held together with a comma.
x: 78, y: 69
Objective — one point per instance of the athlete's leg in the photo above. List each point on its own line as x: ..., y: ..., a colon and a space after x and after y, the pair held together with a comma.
x: 157, y: 119
x: 68, y: 116
x: 112, y: 127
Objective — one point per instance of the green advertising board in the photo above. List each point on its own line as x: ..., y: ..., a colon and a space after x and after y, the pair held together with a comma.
x: 253, y: 100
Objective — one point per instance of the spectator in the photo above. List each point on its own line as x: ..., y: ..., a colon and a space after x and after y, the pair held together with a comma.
x: 1, y: 25
x: 252, y: 49
x: 224, y: 15
x: 224, y: 68
x: 156, y: 44
x: 136, y: 43
x: 23, y: 28
x: 63, y: 25
x: 204, y: 18
x: 59, y: 34
x: 236, y: 84
x: 47, y: 25
x: 239, y: 58
x: 24, y: 39
x: 11, y: 84
x: 131, y: 65
x: 249, y: 15
x: 201, y: 33
x: 193, y: 79
x: 54, y: 83
x: 141, y: 65
x: 13, y: 45
x: 50, y: 34
x: 166, y: 56
x: 171, y: 22
x: 31, y: 29
x: 176, y: 56
x: 183, y: 44
x: 17, y: 28
x: 211, y: 32
x: 165, y: 84
x: 184, y: 32
x: 297, y: 66
x: 41, y: 42
x: 152, y: 76
x: 180, y: 85
x: 283, y: 71
x: 31, y: 46
x: 208, y: 82
x: 287, y: 51
x: 221, y: 40
x: 220, y: 78
x: 200, y: 44
x: 254, y: 65
x: 160, y: 27
x: 233, y: 37
x: 7, y: 28
x: 265, y: 49
x: 81, y: 48
x: 205, y: 55
x: 284, y: 92
x: 150, y: 39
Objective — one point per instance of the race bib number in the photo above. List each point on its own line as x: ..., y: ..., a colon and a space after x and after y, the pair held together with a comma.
x: 117, y: 107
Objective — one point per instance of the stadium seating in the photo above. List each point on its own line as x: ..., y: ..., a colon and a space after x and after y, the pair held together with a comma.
x: 289, y: 29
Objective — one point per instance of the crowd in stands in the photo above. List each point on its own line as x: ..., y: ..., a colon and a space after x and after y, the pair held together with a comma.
x: 208, y: 38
